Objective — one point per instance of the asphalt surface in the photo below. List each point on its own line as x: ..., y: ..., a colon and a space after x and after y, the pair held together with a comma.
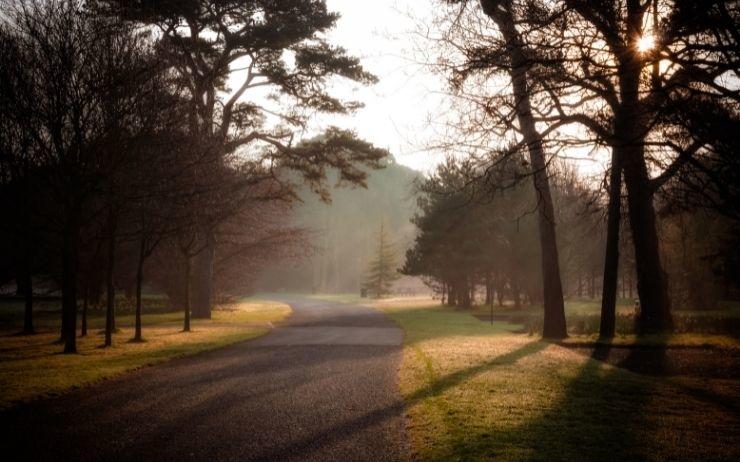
x: 319, y: 387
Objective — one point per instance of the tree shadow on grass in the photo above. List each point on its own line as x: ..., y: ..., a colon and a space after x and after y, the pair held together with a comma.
x: 599, y: 417
x: 652, y: 360
x: 443, y: 383
x: 608, y: 413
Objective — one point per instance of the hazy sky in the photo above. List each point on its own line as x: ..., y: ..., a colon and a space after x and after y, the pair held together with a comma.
x: 398, y: 108
x: 403, y: 111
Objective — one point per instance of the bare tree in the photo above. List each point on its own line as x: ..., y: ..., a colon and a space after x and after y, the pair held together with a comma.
x: 83, y: 77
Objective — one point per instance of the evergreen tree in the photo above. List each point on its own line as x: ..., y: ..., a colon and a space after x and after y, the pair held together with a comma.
x: 382, y: 273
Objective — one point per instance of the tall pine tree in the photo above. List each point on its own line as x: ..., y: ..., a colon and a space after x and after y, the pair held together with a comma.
x: 381, y: 272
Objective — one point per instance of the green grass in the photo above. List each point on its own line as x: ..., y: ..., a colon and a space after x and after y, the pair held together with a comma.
x: 575, y: 306
x: 477, y: 392
x: 583, y: 317
x: 588, y: 306
x: 32, y: 366
x: 673, y: 340
x: 47, y: 312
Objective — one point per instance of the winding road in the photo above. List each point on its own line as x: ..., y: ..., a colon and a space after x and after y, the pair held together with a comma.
x: 320, y: 387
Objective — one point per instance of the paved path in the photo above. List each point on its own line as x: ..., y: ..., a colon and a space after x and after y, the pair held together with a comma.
x: 320, y: 387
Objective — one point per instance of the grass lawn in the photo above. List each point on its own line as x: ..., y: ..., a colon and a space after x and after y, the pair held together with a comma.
x: 589, y: 306
x: 481, y: 392
x: 32, y: 366
x: 583, y: 317
x: 573, y: 306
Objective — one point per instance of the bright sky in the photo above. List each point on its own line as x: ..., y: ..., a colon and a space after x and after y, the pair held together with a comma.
x: 397, y: 110
x: 405, y: 110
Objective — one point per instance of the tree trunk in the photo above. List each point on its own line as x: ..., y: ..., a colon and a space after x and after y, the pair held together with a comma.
x: 554, y: 322
x: 592, y: 285
x: 489, y: 290
x: 611, y: 259
x: 500, y: 289
x: 20, y: 283
x: 139, y: 282
x: 63, y: 330
x: 651, y: 283
x: 186, y: 322
x: 110, y: 297
x: 28, y: 298
x: 463, y: 294
x: 83, y: 331
x: 69, y: 281
x: 95, y: 284
x: 655, y: 314
x: 515, y: 295
x: 203, y: 277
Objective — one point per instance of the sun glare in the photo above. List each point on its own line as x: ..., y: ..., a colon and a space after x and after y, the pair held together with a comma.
x: 645, y: 43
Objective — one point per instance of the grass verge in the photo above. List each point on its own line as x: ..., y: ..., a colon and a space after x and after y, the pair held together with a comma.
x: 32, y: 367
x: 481, y: 392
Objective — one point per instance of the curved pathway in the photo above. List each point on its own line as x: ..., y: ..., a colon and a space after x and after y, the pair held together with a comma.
x: 319, y: 387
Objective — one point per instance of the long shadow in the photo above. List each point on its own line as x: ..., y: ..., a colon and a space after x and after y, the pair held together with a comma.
x: 186, y: 397
x: 438, y: 386
x: 299, y: 446
x: 448, y: 381
x: 731, y: 403
x: 599, y: 417
x: 603, y: 414
x: 647, y: 360
x: 653, y: 361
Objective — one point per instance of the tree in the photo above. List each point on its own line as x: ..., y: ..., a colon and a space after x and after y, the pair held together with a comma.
x: 631, y: 64
x: 620, y: 71
x: 476, y: 227
x: 509, y: 55
x: 502, y: 14
x: 381, y: 271
x: 85, y: 91
x: 62, y: 111
x: 607, y: 323
x: 266, y: 45
x: 152, y: 193
x: 448, y: 250
x: 18, y: 175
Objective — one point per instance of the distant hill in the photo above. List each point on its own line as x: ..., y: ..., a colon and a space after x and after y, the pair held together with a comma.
x: 344, y: 232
